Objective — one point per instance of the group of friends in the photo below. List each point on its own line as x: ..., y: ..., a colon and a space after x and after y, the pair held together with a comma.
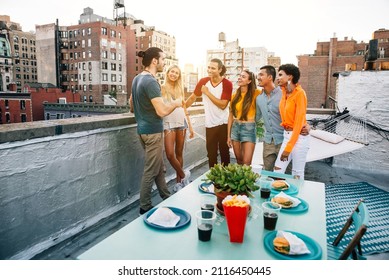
x: 230, y: 119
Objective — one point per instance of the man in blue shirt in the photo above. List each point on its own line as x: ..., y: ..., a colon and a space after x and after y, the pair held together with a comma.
x: 147, y: 104
x: 268, y: 109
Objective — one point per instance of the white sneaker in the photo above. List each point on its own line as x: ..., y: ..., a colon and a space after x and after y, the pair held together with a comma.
x: 177, y: 187
x: 185, y: 181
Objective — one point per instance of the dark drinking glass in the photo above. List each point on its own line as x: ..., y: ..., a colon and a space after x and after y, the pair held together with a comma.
x: 209, y: 207
x: 270, y: 220
x: 205, y: 231
x: 265, y: 192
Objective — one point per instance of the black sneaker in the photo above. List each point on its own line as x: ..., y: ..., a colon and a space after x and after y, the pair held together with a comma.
x: 142, y: 211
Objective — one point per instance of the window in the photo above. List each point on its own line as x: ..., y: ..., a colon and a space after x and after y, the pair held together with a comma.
x: 120, y: 57
x: 105, y: 77
x: 113, y: 45
x: 120, y: 67
x: 113, y: 56
x: 90, y: 66
x: 89, y: 31
x: 104, y: 42
x: 104, y: 65
x: 90, y: 98
x: 113, y: 33
x: 84, y: 88
x: 7, y: 118
x: 83, y: 43
x: 113, y: 66
x: 105, y: 54
x: 22, y: 104
x: 113, y: 78
x: 90, y: 88
x: 23, y: 117
x: 90, y: 76
x: 47, y: 116
x: 104, y: 31
x: 89, y: 54
x: 89, y: 42
x: 120, y: 78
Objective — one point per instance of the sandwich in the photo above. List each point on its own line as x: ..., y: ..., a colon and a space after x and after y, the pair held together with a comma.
x: 280, y: 185
x: 281, y: 245
x: 283, y: 201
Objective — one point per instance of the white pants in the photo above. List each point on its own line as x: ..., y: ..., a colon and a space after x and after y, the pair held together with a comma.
x: 298, y: 156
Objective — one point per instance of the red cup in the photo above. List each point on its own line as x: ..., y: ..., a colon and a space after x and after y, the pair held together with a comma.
x: 236, y: 217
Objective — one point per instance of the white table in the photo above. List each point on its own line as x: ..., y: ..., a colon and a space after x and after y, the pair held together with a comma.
x: 139, y: 241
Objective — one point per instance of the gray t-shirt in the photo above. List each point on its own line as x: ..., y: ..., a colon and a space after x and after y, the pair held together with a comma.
x: 145, y: 88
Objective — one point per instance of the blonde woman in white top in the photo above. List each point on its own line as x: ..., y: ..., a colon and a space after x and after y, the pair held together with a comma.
x: 175, y: 125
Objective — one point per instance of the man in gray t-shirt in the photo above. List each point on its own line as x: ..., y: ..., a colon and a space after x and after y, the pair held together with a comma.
x: 147, y: 104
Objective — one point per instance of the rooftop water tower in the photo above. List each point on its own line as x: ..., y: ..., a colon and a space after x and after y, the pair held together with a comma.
x: 119, y: 4
x: 222, y: 40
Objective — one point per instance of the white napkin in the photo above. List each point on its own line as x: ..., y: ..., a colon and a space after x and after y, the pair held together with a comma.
x: 295, y: 200
x: 297, y: 246
x: 164, y: 217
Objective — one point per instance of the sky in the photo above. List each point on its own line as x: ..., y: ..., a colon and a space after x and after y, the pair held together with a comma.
x: 286, y: 28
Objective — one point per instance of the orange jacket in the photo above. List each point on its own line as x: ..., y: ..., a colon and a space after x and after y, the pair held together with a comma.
x: 293, y: 110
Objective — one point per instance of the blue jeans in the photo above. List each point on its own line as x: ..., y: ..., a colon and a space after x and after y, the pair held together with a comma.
x: 243, y: 132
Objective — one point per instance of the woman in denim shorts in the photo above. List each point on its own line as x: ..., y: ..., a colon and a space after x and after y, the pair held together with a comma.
x: 241, y: 121
x: 175, y: 125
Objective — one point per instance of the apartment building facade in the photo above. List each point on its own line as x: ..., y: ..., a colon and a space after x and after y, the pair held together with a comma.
x: 89, y: 58
x: 17, y: 55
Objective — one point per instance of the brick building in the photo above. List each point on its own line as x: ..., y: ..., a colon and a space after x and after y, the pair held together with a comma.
x: 318, y: 70
x: 88, y: 58
x: 15, y: 107
x: 47, y: 93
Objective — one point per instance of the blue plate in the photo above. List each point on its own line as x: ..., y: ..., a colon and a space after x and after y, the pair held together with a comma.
x: 312, y: 245
x: 207, y: 188
x: 292, y: 190
x: 184, y: 218
x: 301, y: 208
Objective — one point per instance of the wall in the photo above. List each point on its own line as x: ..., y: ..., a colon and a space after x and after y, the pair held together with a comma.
x: 53, y: 185
x: 355, y: 90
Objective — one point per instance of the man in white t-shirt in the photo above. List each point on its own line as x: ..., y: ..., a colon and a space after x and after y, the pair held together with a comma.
x: 216, y: 91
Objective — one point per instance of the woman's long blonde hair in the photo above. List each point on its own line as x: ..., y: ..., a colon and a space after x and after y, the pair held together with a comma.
x: 178, y: 87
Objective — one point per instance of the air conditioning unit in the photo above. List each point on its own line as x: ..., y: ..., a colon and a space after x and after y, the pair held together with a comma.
x: 62, y: 100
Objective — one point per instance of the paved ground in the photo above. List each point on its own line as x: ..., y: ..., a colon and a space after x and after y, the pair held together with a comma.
x: 315, y: 171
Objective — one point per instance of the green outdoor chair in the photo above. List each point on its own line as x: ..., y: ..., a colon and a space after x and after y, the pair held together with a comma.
x: 360, y: 218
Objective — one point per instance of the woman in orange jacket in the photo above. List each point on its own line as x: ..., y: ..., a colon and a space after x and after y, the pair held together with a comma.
x: 293, y: 109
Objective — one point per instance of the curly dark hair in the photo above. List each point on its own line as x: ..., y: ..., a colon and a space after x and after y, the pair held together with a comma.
x: 291, y: 69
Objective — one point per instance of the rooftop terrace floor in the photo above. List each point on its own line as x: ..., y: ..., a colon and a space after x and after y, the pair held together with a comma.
x: 315, y: 171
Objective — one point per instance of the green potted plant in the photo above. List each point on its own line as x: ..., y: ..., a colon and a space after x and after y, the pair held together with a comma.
x: 232, y: 179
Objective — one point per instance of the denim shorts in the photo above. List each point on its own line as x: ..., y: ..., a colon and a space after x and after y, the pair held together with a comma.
x: 243, y: 132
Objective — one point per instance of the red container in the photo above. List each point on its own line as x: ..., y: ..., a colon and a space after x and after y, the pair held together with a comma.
x: 236, y: 221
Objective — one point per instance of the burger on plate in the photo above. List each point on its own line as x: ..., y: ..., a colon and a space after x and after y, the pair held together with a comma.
x: 283, y: 201
x: 281, y: 245
x: 280, y: 185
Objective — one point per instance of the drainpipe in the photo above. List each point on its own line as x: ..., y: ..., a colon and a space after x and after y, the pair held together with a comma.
x: 331, y: 55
